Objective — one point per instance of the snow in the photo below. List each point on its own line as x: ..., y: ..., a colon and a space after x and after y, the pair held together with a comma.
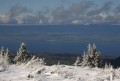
x: 39, y: 72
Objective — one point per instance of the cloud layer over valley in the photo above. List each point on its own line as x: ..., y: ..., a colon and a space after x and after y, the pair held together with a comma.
x: 83, y: 12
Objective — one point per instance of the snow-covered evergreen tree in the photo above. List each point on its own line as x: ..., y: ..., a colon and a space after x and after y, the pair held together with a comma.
x: 22, y: 55
x: 77, y: 62
x: 85, y: 60
x: 92, y: 57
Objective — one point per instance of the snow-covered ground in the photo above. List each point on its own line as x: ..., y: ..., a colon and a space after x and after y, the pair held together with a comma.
x: 36, y: 72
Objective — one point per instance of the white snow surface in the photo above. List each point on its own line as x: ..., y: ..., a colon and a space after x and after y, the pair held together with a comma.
x: 37, y: 72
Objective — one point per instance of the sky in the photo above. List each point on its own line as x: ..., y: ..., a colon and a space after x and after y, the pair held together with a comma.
x: 59, y: 11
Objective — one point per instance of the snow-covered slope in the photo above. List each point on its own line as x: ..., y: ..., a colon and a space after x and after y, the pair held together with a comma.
x: 26, y: 72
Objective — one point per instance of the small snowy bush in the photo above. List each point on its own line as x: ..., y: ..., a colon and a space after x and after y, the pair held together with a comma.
x: 4, y: 58
x: 36, y: 61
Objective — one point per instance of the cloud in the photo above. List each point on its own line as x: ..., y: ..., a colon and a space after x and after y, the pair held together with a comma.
x: 18, y: 10
x: 74, y: 12
x: 101, y: 14
x: 60, y: 15
x: 81, y: 7
x: 15, y: 15
x: 30, y: 19
x: 4, y: 19
x: 84, y: 12
x: 106, y: 7
x: 117, y: 9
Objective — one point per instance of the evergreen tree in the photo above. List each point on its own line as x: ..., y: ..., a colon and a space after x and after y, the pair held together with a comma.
x: 77, y: 62
x: 22, y: 55
x: 92, y: 57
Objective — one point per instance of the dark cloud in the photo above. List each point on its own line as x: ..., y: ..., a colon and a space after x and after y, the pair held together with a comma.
x: 17, y: 10
x: 107, y: 6
x: 101, y: 14
x: 117, y: 9
x: 67, y: 15
x: 81, y: 7
x: 60, y: 15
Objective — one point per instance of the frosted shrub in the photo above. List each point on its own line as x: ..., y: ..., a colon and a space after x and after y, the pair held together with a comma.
x: 36, y: 61
x: 57, y: 69
x: 4, y: 58
x: 107, y: 66
x: 108, y: 74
